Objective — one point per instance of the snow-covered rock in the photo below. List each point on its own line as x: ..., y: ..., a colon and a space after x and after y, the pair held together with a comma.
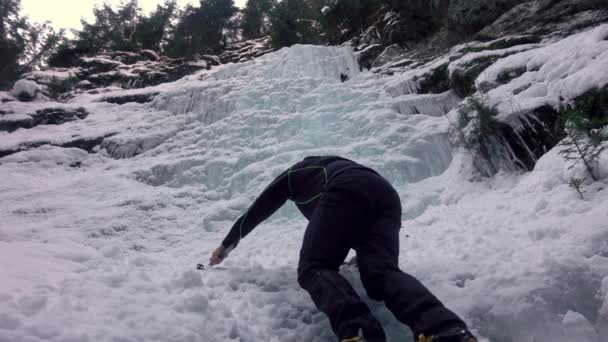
x: 152, y: 55
x: 25, y: 90
x: 247, y: 50
x: 46, y: 77
x: 542, y: 17
x: 49, y: 154
x: 46, y: 116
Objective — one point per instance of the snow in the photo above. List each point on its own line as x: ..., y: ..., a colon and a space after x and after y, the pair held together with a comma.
x: 104, y: 249
x: 25, y: 88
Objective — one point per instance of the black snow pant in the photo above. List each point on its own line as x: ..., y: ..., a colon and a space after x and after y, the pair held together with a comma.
x: 362, y: 211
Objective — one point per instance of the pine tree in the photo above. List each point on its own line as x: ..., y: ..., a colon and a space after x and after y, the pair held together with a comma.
x: 201, y: 29
x: 255, y: 18
x: 24, y: 46
x: 584, y: 141
x: 151, y: 31
x: 294, y: 22
x: 346, y: 18
x: 124, y: 28
x: 112, y: 29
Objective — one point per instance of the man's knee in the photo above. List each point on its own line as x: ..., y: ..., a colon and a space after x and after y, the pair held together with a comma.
x: 373, y: 282
x: 374, y: 276
x: 307, y: 274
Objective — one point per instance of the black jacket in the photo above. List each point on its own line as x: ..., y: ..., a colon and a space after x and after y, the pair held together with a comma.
x: 303, y: 183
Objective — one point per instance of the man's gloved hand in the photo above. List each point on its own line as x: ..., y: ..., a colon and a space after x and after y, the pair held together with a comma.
x: 217, y: 256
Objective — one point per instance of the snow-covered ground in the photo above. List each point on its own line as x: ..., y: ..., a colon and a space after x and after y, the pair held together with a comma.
x: 94, y: 248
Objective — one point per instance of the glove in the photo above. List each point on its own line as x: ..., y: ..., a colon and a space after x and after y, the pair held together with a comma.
x: 219, y: 254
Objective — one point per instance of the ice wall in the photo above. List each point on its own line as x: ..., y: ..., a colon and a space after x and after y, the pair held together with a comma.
x: 248, y: 121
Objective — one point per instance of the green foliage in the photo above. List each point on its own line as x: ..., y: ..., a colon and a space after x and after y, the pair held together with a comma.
x: 24, y: 46
x: 478, y: 119
x: 233, y: 30
x: 585, y: 139
x: 255, y: 18
x: 112, y: 29
x: 201, y: 29
x: 122, y: 29
x: 59, y: 87
x: 295, y: 22
x: 68, y: 54
x: 478, y: 129
x: 151, y: 31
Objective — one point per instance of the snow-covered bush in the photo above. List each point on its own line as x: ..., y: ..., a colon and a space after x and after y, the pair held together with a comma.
x: 585, y: 141
x: 478, y: 130
x: 476, y: 121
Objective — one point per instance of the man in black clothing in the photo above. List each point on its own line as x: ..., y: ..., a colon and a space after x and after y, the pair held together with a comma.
x: 350, y: 206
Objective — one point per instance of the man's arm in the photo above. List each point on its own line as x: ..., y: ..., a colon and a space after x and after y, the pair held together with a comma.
x: 269, y: 201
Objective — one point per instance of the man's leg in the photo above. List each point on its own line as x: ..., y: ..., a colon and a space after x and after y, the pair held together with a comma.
x: 327, y: 240
x: 410, y: 301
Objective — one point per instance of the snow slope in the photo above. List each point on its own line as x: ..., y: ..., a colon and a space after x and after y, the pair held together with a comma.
x: 94, y: 248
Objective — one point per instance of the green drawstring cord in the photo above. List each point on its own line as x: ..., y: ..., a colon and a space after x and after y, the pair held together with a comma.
x: 289, y: 172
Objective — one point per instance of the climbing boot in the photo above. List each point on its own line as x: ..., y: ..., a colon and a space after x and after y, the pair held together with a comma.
x: 358, y: 338
x: 451, y: 335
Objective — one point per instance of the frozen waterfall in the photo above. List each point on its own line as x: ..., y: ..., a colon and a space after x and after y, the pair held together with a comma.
x: 102, y: 246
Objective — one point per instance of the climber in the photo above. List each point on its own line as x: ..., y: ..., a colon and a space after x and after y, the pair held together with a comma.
x: 350, y: 206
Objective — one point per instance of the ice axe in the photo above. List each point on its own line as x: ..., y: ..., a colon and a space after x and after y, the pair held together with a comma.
x: 223, y: 255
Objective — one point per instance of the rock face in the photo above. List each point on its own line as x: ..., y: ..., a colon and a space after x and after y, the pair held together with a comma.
x: 128, y: 70
x: 57, y: 116
x: 136, y: 98
x: 466, y: 17
x: 433, y: 26
x: 47, y: 116
x: 245, y: 51
x: 541, y: 17
x: 518, y: 143
x: 522, y: 140
x: 86, y: 144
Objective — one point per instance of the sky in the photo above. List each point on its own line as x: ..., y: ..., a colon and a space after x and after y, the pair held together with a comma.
x: 66, y: 14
